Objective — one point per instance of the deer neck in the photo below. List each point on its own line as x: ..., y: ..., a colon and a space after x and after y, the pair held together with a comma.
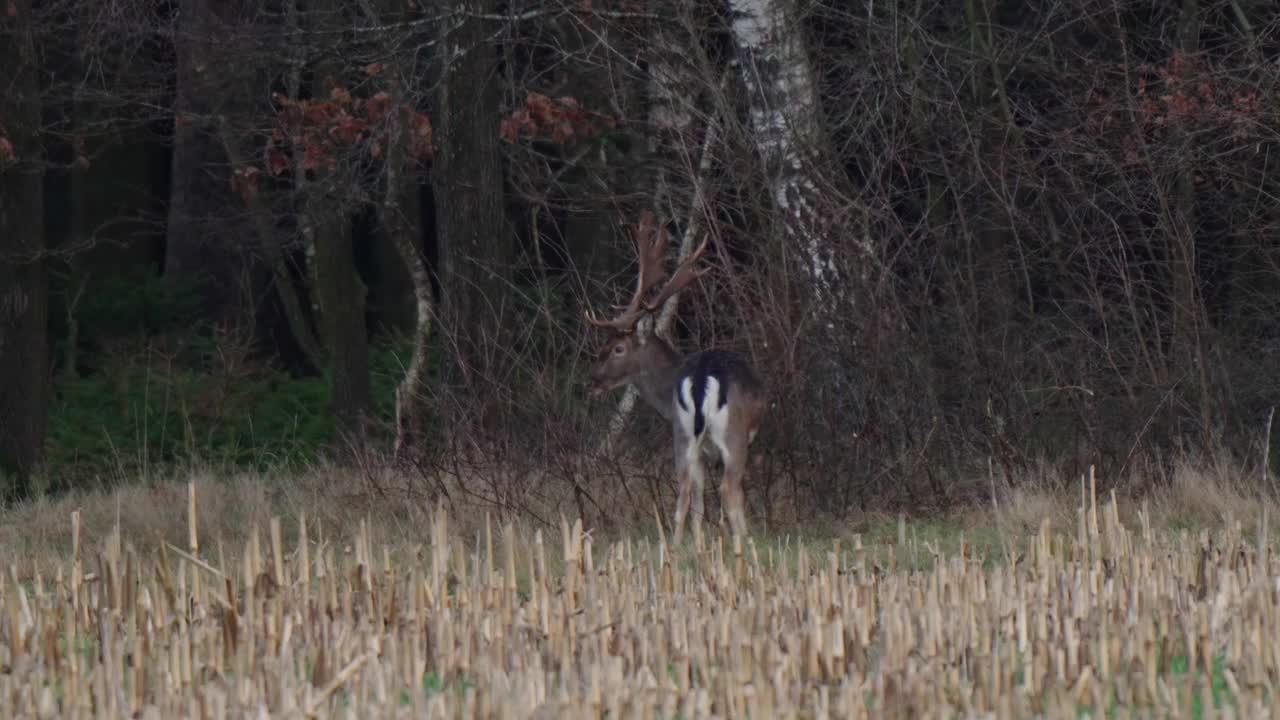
x: 657, y: 385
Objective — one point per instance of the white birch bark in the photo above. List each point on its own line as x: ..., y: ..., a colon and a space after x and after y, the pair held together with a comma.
x: 774, y: 68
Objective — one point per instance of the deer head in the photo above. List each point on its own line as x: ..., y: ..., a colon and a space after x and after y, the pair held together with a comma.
x: 629, y: 354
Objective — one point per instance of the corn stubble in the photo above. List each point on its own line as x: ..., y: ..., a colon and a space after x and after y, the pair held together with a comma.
x: 1099, y: 619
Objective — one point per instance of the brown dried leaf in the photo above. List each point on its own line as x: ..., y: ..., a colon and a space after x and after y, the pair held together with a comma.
x: 507, y: 130
x: 277, y: 162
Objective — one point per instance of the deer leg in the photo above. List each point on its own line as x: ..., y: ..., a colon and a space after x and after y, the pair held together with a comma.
x: 691, y: 492
x: 737, y: 458
x: 682, y: 506
x: 735, y: 448
x: 697, y: 478
x: 684, y: 482
x: 735, y: 468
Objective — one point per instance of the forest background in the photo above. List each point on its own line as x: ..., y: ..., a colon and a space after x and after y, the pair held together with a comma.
x: 966, y: 244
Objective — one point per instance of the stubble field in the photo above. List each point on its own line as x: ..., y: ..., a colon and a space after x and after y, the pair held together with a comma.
x: 1099, y: 618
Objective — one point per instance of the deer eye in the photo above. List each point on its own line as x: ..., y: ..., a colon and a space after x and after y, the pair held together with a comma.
x: 619, y: 349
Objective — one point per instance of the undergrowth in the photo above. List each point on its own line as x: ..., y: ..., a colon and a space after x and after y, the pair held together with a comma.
x: 136, y: 420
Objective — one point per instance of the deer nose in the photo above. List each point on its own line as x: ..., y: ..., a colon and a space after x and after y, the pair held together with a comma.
x: 595, y: 386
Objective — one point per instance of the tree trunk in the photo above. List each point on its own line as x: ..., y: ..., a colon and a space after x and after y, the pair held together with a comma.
x: 774, y: 69
x: 391, y: 298
x: 475, y: 243
x: 342, y: 303
x: 400, y: 220
x: 326, y: 221
x: 264, y: 228
x: 1189, y: 315
x: 79, y: 113
x: 673, y: 90
x: 592, y: 233
x: 24, y: 349
x: 399, y: 217
x: 202, y: 247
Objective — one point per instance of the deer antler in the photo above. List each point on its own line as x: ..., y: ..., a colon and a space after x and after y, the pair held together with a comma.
x: 684, y: 275
x: 650, y: 250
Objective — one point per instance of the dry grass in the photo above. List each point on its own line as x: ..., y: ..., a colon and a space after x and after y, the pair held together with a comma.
x: 305, y: 619
x: 38, y: 533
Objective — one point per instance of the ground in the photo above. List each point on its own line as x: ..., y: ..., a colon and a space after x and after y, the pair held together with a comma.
x: 305, y: 597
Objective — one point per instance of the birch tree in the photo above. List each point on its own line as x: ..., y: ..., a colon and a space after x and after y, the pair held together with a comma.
x: 774, y: 68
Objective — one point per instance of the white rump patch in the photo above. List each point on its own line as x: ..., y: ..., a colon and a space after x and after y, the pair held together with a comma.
x: 717, y: 417
x: 684, y: 410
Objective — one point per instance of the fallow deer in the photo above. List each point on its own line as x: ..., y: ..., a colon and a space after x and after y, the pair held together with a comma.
x: 708, y: 394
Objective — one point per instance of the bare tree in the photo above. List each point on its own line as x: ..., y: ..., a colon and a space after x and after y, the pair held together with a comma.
x: 774, y: 68
x: 203, y: 246
x: 472, y: 232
